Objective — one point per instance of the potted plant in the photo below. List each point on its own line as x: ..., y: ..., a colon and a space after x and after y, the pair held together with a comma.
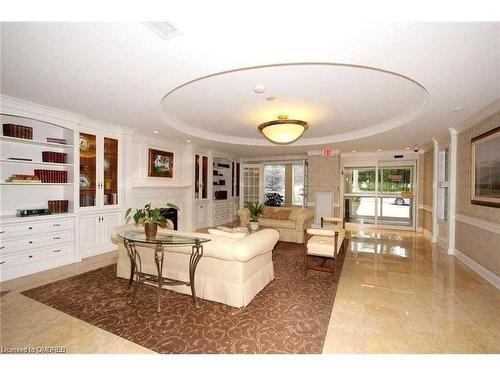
x: 150, y: 217
x: 255, y: 210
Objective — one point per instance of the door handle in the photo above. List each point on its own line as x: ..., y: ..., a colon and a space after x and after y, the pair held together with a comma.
x: 2, y: 262
x: 56, y: 251
x: 30, y: 242
x: 56, y: 238
x: 56, y: 225
x: 30, y: 256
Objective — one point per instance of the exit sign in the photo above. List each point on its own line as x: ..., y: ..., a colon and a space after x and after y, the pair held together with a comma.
x: 328, y: 152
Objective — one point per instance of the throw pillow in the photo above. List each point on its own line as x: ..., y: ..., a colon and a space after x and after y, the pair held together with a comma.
x: 282, y: 214
x: 267, y: 213
x: 226, y: 234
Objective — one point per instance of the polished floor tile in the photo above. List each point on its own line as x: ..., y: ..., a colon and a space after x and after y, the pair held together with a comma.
x: 398, y: 293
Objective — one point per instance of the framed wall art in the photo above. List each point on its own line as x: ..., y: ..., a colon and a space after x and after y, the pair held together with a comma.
x: 160, y: 163
x: 485, y: 169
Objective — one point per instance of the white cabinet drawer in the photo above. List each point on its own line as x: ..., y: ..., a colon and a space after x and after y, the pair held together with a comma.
x: 33, y: 242
x: 28, y: 228
x: 26, y: 257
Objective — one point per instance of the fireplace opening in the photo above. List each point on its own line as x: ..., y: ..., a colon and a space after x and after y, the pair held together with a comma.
x: 170, y: 214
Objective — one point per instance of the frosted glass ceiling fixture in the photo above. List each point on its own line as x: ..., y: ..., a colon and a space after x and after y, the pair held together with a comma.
x: 283, y: 131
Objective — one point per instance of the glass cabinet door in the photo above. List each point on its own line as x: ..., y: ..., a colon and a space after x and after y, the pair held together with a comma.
x: 88, y: 174
x: 110, y: 168
x: 204, y: 178
x: 197, y: 183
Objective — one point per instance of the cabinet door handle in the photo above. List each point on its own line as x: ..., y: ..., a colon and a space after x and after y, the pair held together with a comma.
x: 56, y: 251
x: 56, y: 225
x: 2, y: 247
x: 30, y: 228
x: 56, y: 238
x: 2, y: 231
x: 30, y: 242
x: 2, y: 262
x: 30, y: 256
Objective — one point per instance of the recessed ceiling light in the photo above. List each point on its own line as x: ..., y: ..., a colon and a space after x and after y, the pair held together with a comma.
x: 353, y: 151
x: 259, y: 89
x: 407, y: 148
x: 155, y: 131
x: 188, y: 140
x: 270, y: 98
x: 379, y: 149
x: 457, y: 109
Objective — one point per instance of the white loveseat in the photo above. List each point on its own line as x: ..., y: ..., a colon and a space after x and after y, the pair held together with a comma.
x: 232, y: 270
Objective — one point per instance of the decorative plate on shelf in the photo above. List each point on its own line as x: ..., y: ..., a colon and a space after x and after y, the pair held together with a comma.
x: 84, y: 181
x: 84, y: 143
x: 106, y: 164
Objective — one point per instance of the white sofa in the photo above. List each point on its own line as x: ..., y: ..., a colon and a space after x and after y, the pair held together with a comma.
x: 232, y: 270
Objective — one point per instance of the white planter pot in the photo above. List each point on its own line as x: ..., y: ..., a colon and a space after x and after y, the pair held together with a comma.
x: 254, y: 225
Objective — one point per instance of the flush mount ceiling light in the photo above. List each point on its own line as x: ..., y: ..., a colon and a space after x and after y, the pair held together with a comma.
x: 283, y: 131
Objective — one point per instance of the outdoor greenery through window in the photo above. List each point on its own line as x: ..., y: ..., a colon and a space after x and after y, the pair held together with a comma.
x: 298, y: 185
x: 283, y: 184
x: 394, y: 180
x: 274, y: 182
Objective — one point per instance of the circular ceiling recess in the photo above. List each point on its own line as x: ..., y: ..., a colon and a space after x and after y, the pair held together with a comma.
x: 339, y: 102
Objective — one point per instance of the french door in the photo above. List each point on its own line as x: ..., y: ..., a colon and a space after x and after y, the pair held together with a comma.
x: 380, y: 195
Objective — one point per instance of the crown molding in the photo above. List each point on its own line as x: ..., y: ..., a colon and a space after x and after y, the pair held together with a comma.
x: 479, y: 116
x: 27, y: 108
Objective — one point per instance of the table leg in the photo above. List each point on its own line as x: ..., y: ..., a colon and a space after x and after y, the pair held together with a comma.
x: 132, y: 254
x: 196, y: 254
x: 159, y: 267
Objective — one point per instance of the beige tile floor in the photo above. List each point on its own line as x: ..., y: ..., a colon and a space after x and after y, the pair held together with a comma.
x: 397, y: 294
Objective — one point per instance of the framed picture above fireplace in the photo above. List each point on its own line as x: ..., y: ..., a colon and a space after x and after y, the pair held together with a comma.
x: 485, y: 169
x: 160, y: 163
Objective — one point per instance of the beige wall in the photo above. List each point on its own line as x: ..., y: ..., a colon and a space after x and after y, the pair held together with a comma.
x: 324, y: 175
x: 480, y: 245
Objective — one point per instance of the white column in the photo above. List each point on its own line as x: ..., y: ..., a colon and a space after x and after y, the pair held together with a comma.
x: 452, y: 189
x: 435, y: 165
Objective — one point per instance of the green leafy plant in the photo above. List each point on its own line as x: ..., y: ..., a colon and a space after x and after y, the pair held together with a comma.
x: 149, y: 215
x: 255, y: 209
x: 274, y: 200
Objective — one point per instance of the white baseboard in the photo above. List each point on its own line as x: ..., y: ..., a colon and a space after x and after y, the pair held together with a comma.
x: 480, y: 270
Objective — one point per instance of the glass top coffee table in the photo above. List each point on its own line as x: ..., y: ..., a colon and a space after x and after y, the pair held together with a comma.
x: 158, y: 246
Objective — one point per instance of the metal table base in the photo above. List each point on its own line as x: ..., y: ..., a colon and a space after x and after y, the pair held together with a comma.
x: 135, y: 270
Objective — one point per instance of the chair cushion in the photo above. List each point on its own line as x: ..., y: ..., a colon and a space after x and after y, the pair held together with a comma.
x: 324, y: 246
x: 275, y: 223
x: 325, y: 231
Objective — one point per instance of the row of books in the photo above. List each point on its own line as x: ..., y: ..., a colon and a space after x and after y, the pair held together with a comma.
x: 24, y: 179
x: 50, y: 176
x: 58, y: 206
x: 17, y: 131
x: 54, y: 157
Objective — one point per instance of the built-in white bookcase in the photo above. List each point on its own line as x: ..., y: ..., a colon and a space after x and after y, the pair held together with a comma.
x: 29, y: 196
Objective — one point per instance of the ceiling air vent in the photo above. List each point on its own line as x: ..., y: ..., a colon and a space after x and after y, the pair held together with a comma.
x: 398, y: 156
x: 163, y: 29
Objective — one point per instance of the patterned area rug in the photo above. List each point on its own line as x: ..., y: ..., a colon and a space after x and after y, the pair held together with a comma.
x: 290, y: 315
